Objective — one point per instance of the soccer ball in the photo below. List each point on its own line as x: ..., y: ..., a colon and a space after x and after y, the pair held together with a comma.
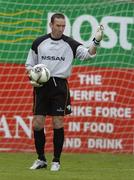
x: 40, y: 73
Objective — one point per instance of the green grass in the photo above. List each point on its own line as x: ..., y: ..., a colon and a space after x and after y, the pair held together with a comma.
x: 15, y: 166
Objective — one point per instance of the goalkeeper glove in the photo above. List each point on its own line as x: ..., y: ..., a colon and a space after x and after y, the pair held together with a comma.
x: 32, y: 82
x: 98, y: 35
x: 35, y: 84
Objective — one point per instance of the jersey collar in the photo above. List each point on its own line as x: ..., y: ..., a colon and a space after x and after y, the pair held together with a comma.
x: 55, y: 38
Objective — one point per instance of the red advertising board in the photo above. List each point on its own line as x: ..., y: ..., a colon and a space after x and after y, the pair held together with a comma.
x: 102, y: 118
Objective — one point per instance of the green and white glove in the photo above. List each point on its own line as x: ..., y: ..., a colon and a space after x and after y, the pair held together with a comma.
x: 35, y: 84
x: 99, y: 35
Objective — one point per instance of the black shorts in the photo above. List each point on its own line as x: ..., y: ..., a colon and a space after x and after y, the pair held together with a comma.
x: 53, y: 98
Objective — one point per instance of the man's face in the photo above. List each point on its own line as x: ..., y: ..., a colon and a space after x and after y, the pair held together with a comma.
x: 57, y: 27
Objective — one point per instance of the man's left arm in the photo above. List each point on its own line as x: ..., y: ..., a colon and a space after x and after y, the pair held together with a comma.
x: 96, y: 41
x: 83, y: 53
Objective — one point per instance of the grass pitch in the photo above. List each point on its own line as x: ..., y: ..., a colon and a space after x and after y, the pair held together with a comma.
x: 15, y: 166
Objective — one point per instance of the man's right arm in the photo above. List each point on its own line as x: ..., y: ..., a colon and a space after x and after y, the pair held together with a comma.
x: 31, y: 60
x: 30, y: 63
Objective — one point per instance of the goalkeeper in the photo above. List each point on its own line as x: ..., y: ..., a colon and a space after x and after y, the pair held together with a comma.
x: 56, y: 51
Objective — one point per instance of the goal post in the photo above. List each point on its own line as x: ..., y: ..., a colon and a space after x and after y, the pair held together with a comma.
x: 102, y: 89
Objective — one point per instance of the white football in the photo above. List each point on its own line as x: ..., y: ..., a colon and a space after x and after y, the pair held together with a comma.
x: 40, y: 73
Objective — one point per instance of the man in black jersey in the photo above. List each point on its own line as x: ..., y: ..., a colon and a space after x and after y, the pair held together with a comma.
x: 56, y: 51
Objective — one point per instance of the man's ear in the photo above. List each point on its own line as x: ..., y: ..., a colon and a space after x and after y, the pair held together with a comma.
x: 50, y: 24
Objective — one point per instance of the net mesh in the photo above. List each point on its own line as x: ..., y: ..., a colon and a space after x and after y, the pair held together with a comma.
x: 101, y: 89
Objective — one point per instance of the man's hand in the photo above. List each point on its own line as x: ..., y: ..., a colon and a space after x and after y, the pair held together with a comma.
x: 99, y: 33
x: 32, y: 82
x: 35, y: 84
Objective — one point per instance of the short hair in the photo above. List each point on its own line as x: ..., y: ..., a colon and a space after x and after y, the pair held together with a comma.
x: 57, y: 15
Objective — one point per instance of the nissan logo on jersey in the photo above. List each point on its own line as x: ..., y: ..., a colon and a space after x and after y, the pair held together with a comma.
x: 53, y: 58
